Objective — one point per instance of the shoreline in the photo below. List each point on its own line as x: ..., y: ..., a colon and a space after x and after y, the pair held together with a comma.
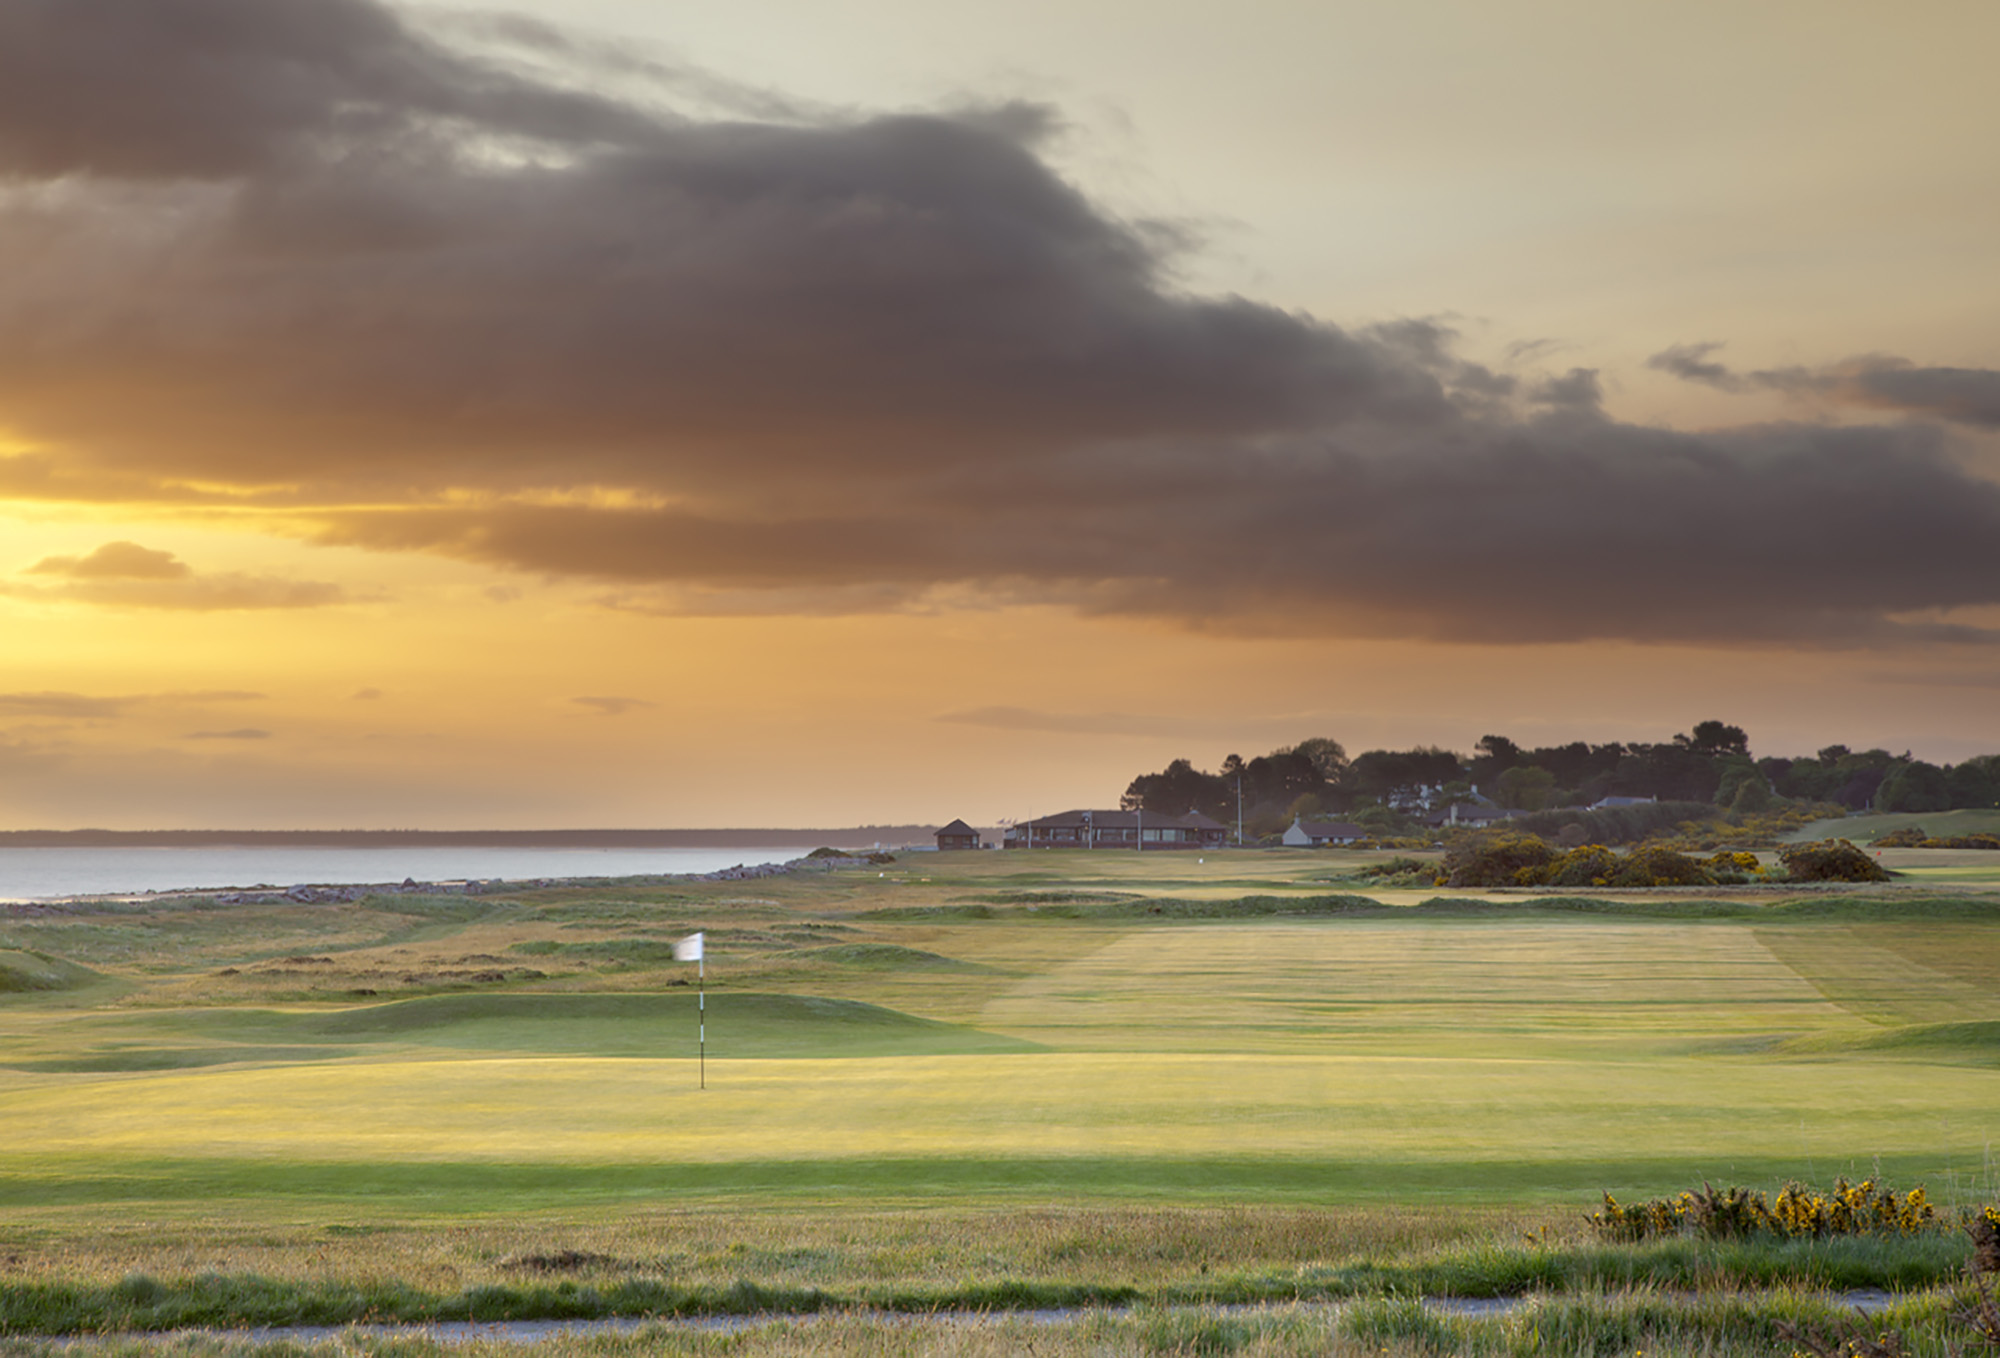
x: 327, y: 893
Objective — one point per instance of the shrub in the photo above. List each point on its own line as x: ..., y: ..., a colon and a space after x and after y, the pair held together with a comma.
x: 1913, y: 837
x: 1502, y: 859
x: 1657, y: 865
x: 1865, y: 1208
x: 1589, y: 865
x: 1831, y: 860
x: 1394, y: 867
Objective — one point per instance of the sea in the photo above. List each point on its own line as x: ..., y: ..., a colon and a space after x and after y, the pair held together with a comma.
x: 31, y: 874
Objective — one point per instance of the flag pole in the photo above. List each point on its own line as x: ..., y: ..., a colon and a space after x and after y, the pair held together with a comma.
x: 690, y: 949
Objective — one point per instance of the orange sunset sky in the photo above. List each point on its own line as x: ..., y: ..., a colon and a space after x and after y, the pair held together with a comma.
x: 789, y: 414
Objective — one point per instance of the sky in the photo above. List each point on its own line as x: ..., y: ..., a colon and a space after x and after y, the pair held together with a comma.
x: 783, y: 414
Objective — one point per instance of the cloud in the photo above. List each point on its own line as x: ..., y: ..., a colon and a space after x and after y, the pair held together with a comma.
x: 115, y: 561
x: 1086, y: 723
x: 70, y: 705
x: 365, y: 695
x: 97, y: 707
x: 126, y: 575
x: 240, y: 733
x: 1690, y: 363
x: 1967, y: 396
x: 613, y: 707
x: 527, y: 313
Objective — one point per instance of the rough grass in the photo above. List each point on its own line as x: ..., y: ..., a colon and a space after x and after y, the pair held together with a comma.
x: 1869, y: 826
x: 716, y: 1265
x: 885, y: 957
x: 22, y: 971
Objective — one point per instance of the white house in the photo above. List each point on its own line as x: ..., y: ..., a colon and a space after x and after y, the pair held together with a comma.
x: 1316, y: 833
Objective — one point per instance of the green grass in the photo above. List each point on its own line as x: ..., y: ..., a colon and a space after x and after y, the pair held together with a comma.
x: 921, y: 1085
x: 740, y: 1026
x: 885, y: 957
x: 1867, y: 827
x: 24, y: 971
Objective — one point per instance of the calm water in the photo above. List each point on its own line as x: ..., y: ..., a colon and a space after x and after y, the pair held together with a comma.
x: 31, y: 874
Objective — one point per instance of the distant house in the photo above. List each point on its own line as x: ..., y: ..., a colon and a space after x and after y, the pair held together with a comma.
x: 1473, y: 815
x: 958, y: 835
x: 1317, y: 833
x: 1117, y: 830
x: 1603, y: 803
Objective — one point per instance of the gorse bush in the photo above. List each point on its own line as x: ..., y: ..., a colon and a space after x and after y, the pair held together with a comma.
x: 1513, y: 859
x: 1797, y: 1212
x: 1395, y: 867
x: 1913, y: 837
x: 1831, y: 860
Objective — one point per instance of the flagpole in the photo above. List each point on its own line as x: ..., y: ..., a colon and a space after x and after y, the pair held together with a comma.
x: 690, y: 949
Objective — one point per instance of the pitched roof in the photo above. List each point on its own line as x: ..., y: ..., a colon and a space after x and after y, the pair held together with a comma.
x: 1332, y: 829
x: 1124, y: 820
x: 958, y: 827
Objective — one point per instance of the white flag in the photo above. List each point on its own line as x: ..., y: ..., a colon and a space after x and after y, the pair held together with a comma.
x: 688, y: 949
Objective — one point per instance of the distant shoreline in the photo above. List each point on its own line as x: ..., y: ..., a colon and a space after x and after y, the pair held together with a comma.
x: 851, y: 837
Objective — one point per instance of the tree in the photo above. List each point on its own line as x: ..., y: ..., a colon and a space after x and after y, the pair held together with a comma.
x: 1752, y: 796
x: 1385, y: 773
x: 1525, y: 788
x: 1713, y: 738
x: 1179, y: 789
x: 1327, y: 755
x: 1493, y: 756
x: 1976, y: 782
x: 1913, y: 785
x: 1736, y: 771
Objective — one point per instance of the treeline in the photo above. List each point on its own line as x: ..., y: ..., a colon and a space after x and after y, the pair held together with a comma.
x: 1389, y: 791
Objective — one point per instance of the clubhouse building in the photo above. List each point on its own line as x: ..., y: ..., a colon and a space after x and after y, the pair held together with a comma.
x: 1142, y: 830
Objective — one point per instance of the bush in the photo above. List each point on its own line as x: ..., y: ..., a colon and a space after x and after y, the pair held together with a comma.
x: 1394, y: 867
x: 1502, y: 859
x: 1508, y: 858
x: 1657, y: 865
x: 1831, y: 860
x: 1589, y: 865
x: 1913, y: 837
x: 1865, y: 1208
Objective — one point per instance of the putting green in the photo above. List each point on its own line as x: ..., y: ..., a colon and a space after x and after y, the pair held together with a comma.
x: 1195, y: 1105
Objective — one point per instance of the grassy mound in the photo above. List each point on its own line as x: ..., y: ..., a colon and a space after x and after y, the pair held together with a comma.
x: 23, y: 971
x: 1977, y: 1042
x: 885, y: 957
x: 634, y: 1025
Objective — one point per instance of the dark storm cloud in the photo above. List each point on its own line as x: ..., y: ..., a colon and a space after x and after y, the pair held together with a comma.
x: 301, y: 249
x: 215, y: 88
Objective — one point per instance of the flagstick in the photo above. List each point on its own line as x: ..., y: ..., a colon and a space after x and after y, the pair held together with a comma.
x: 701, y: 1020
